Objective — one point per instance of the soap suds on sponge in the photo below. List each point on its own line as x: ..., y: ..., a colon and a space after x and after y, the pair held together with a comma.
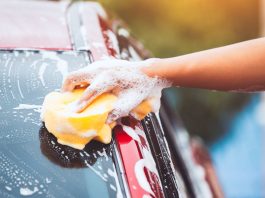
x: 133, y: 93
x: 78, y: 129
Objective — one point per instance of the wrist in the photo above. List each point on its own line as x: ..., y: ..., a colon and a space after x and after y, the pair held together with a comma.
x: 149, y: 67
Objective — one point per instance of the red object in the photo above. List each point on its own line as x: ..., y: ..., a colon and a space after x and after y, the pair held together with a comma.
x: 130, y: 155
x: 37, y: 25
x: 131, y: 152
x: 93, y: 33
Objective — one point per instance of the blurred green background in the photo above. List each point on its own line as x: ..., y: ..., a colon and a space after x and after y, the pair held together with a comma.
x: 175, y: 27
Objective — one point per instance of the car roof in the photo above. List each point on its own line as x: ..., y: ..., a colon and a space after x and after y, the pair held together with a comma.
x: 32, y: 24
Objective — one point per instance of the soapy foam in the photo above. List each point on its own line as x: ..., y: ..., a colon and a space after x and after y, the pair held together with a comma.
x: 89, y: 133
x: 114, y: 174
x: 149, y: 163
x: 123, y: 32
x: 19, y: 178
x: 8, y: 188
x: 61, y: 65
x: 76, y: 146
x: 41, y: 73
x: 27, y: 192
x: 147, y: 196
x: 113, y: 40
x: 36, y: 108
x: 95, y: 171
x: 19, y: 89
x: 124, y: 79
x: 103, y: 154
x: 140, y: 176
x: 131, y: 133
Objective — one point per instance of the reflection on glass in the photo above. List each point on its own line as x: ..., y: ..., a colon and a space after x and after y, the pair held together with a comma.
x: 66, y: 156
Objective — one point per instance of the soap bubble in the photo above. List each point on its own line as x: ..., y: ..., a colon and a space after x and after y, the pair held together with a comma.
x: 123, y: 78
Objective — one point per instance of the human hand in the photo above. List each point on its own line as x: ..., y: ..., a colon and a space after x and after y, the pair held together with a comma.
x: 125, y: 79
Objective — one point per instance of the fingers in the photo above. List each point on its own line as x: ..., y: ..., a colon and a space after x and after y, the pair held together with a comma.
x: 103, y: 76
x: 85, y: 75
x: 127, y: 100
x: 101, y: 85
x: 74, y: 79
x: 89, y: 95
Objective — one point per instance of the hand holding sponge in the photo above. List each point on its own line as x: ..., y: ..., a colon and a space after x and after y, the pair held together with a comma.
x: 78, y: 129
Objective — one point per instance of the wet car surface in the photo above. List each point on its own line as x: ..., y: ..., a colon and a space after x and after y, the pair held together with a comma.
x: 33, y: 161
x: 138, y: 162
x: 26, y: 78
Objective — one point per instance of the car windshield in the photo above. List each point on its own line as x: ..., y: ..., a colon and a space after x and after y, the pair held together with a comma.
x: 32, y: 162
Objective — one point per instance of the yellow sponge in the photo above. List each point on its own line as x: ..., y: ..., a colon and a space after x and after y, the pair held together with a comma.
x: 77, y: 129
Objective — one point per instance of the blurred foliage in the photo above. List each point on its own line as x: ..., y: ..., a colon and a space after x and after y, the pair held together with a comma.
x: 174, y: 27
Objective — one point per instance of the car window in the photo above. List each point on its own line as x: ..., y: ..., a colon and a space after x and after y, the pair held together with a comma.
x: 31, y: 160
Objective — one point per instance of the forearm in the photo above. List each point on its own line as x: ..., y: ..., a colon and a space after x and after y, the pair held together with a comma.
x: 239, y: 67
